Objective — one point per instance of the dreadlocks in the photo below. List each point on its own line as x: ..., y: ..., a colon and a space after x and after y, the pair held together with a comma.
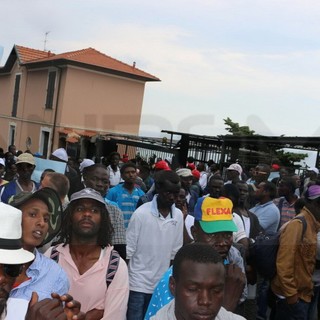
x: 105, y: 231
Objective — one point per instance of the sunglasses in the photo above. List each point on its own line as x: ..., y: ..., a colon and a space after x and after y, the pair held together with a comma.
x: 12, y: 270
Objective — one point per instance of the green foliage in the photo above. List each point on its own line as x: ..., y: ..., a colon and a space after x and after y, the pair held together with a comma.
x: 237, y: 130
x: 289, y: 158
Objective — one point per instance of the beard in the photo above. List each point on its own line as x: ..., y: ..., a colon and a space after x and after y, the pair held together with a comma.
x: 4, y: 295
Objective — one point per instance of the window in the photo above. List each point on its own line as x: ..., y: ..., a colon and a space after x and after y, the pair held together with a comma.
x: 50, y: 89
x: 16, y: 95
x: 44, y: 141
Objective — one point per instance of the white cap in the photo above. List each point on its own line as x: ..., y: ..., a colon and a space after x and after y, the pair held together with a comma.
x: 61, y: 153
x: 235, y: 167
x: 85, y: 163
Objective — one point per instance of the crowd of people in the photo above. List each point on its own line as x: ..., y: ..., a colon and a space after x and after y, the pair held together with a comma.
x: 130, y: 239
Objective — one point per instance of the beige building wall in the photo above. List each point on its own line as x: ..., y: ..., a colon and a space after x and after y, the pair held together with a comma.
x: 88, y: 100
x: 96, y: 101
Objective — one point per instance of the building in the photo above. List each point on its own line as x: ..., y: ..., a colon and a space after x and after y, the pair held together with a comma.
x: 79, y: 95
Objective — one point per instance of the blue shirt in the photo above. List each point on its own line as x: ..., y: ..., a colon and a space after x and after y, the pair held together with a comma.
x: 268, y: 215
x: 126, y: 201
x: 46, y: 276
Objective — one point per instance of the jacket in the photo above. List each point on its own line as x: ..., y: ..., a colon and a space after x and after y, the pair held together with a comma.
x: 296, y: 259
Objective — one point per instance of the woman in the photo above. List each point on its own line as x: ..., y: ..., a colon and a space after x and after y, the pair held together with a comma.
x: 41, y: 213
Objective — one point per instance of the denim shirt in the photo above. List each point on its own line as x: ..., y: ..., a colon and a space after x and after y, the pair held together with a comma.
x: 46, y: 276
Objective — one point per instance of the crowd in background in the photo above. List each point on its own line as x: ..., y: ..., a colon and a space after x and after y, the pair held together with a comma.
x: 142, y: 211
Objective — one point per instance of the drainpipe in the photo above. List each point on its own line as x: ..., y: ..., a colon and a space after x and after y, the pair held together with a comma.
x: 56, y: 111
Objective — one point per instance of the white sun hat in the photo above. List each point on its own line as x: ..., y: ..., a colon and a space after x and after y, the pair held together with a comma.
x: 11, y: 251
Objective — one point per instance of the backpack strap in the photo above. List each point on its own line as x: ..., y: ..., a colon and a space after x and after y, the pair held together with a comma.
x: 55, y: 254
x: 112, y: 267
x: 304, y: 225
x: 280, y: 205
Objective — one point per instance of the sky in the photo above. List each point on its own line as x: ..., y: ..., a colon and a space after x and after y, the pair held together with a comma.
x: 256, y: 62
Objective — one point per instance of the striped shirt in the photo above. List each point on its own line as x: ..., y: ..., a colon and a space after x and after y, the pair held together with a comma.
x: 287, y: 210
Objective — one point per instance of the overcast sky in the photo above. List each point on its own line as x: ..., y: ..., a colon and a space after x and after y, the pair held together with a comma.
x: 255, y: 61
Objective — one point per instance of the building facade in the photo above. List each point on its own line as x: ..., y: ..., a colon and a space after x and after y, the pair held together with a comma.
x: 79, y: 95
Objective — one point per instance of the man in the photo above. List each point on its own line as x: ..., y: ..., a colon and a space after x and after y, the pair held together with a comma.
x: 74, y: 178
x: 12, y: 258
x: 266, y: 211
x: 58, y: 182
x: 126, y: 195
x: 203, y: 180
x: 311, y: 177
x: 25, y: 166
x: 214, y: 186
x: 233, y: 173
x: 97, y: 178
x: 2, y: 169
x: 86, y: 256
x: 269, y: 217
x: 287, y: 199
x: 114, y: 169
x: 186, y: 178
x: 296, y: 259
x: 260, y: 174
x: 197, y: 284
x: 41, y: 220
x: 213, y: 226
x: 12, y: 255
x: 154, y: 235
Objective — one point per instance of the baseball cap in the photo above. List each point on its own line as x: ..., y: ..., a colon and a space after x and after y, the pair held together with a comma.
x: 11, y: 251
x: 215, y: 215
x: 87, y: 193
x: 51, y: 198
x: 235, y: 167
x: 184, y: 172
x: 25, y: 158
x: 162, y: 165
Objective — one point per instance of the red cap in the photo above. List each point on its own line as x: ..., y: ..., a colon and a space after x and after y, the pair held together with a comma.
x: 196, y: 173
x: 162, y: 165
x: 191, y: 166
x: 275, y: 166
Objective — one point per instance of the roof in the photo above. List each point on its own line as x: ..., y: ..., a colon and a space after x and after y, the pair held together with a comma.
x: 87, y: 58
x: 27, y: 54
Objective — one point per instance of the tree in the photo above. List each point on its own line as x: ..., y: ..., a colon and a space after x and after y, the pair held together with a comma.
x: 287, y: 159
x: 237, y: 130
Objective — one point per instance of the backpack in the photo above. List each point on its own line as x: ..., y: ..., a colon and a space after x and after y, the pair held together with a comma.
x: 112, y: 266
x: 265, y: 248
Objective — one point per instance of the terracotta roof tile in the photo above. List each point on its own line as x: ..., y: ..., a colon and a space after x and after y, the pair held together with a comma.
x: 87, y: 56
x: 27, y: 54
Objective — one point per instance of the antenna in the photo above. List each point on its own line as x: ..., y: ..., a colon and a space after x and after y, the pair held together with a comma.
x: 45, y: 40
